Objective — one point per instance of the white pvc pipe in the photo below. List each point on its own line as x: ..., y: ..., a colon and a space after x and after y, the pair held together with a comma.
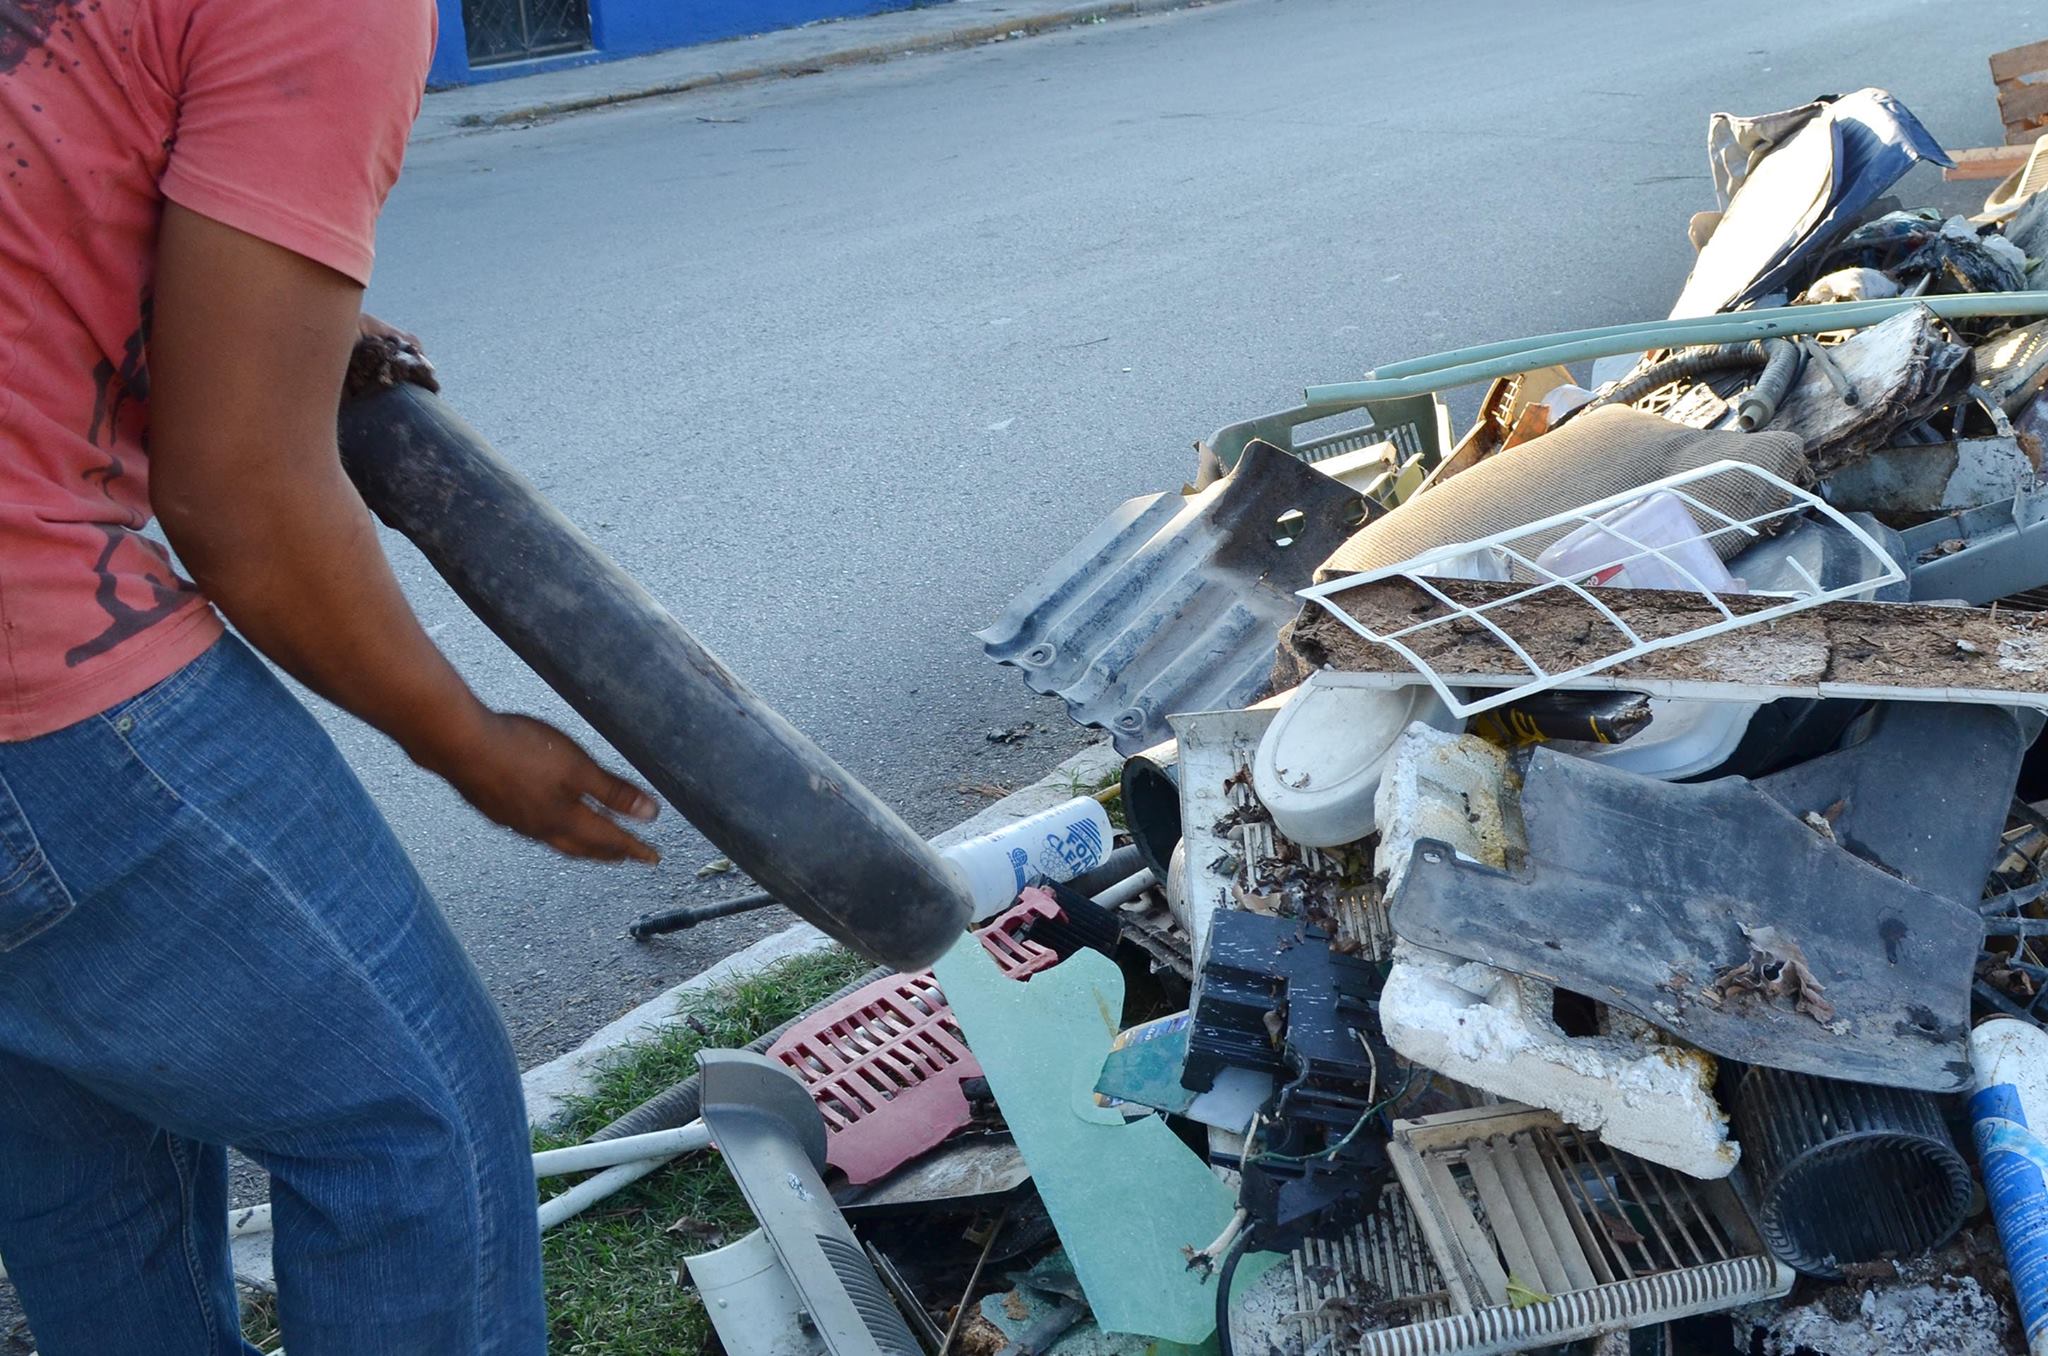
x: 1130, y: 887
x: 591, y: 1190
x: 605, y: 1153
x: 250, y: 1219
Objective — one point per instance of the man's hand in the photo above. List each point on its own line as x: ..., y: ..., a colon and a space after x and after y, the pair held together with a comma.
x: 246, y: 362
x: 369, y: 327
x: 530, y: 777
x: 388, y: 355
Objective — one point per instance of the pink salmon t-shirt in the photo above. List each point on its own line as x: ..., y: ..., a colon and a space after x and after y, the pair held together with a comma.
x: 285, y: 119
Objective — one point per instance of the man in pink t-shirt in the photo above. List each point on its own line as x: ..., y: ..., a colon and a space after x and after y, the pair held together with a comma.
x: 208, y: 936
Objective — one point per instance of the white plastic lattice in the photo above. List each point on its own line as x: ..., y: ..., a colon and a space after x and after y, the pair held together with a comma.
x: 1512, y: 554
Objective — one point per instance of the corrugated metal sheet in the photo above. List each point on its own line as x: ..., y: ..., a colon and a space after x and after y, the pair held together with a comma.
x: 1175, y: 603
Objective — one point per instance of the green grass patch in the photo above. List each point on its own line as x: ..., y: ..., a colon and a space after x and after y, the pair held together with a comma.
x: 259, y: 1323
x: 614, y: 1274
x: 1112, y: 779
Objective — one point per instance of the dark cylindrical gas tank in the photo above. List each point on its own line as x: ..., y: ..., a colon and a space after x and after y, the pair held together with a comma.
x: 768, y: 797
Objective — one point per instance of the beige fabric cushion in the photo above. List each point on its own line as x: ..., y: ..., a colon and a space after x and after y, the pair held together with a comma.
x: 1600, y: 453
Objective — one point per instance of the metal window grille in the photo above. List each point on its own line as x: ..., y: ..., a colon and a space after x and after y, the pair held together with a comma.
x: 514, y: 30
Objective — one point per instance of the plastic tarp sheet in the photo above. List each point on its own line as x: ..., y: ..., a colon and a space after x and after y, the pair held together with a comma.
x: 1805, y: 193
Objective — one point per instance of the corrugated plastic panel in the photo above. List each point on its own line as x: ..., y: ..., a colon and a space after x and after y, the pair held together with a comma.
x: 1175, y: 603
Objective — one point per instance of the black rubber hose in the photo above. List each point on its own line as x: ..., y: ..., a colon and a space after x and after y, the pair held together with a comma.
x: 1224, y: 1274
x: 1691, y: 362
x: 769, y: 798
x: 1759, y: 404
x: 1118, y: 866
x: 680, y: 1103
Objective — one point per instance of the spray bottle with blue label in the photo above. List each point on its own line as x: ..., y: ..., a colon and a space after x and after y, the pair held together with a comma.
x: 1057, y: 844
x: 2008, y: 1115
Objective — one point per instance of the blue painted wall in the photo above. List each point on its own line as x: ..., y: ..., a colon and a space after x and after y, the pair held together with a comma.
x: 620, y: 28
x: 451, y: 60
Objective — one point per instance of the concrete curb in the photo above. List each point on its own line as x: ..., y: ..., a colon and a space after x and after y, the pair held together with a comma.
x: 550, y: 1085
x: 969, y: 35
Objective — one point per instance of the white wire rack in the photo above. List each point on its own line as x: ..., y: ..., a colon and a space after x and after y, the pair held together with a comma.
x: 1513, y: 555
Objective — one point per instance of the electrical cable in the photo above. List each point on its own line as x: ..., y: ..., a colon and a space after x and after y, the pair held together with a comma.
x: 1223, y: 1277
x: 1365, y: 1117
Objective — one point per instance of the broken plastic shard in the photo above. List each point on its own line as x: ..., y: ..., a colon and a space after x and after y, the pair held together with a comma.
x: 976, y: 1172
x: 754, y: 1308
x: 1803, y: 195
x: 1145, y: 1069
x: 1125, y: 1198
x: 1038, y: 1315
x: 1642, y: 1092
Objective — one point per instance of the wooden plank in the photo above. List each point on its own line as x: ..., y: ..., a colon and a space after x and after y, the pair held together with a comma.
x: 1902, y: 370
x: 2019, y: 105
x: 2015, y: 62
x: 1953, y: 653
x: 1988, y: 162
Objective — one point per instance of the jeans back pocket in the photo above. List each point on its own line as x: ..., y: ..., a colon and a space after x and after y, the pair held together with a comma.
x: 32, y: 898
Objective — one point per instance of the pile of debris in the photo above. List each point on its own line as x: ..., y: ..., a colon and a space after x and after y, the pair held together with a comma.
x: 1583, y: 877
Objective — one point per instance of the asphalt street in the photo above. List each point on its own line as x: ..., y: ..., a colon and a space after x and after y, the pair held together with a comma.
x: 835, y: 365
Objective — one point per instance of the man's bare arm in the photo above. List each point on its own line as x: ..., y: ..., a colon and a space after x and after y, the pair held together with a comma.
x: 246, y: 357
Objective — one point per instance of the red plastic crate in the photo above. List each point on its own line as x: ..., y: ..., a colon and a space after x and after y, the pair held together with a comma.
x: 885, y: 1063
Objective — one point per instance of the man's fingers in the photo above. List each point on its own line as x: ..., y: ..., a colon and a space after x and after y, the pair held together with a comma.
x: 570, y: 846
x: 370, y: 327
x: 591, y: 835
x: 618, y: 795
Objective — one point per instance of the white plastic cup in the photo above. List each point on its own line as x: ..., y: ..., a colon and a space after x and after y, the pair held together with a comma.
x: 1058, y: 844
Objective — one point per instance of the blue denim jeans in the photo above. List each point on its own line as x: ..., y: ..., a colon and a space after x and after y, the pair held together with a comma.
x: 209, y: 937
